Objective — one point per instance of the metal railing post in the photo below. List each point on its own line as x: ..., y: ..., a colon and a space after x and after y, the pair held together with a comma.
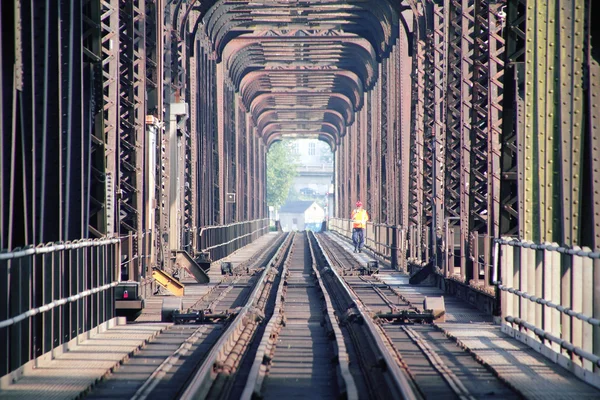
x: 394, y: 248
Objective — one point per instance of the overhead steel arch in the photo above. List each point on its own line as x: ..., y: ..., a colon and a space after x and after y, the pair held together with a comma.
x: 374, y: 21
x: 352, y: 54
x: 345, y: 56
x: 312, y: 101
x: 324, y: 137
x: 298, y: 81
x: 299, y: 127
x: 329, y: 116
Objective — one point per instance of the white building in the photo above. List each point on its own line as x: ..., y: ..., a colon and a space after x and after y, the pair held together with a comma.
x: 301, y: 215
x: 315, y: 167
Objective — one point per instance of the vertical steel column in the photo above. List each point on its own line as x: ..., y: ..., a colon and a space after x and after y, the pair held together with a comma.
x: 571, y: 39
x: 480, y: 135
x: 132, y: 112
x: 591, y: 197
x: 384, y: 202
x: 467, y: 11
x: 93, y: 52
x: 394, y: 163
x: 430, y: 188
x: 511, y: 180
x: 496, y: 48
x: 417, y: 137
x: 453, y: 125
x: 406, y: 91
x: 439, y: 50
x: 165, y: 15
x: 369, y: 149
x: 192, y: 94
x: 154, y: 122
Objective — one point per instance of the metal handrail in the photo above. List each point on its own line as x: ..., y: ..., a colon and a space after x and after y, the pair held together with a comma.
x: 51, y: 247
x: 539, y: 300
x: 234, y: 239
x: 549, y: 247
x: 210, y: 227
x: 55, y: 303
x: 542, y: 334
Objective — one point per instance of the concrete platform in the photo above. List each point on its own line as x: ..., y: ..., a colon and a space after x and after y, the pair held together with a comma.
x: 74, y: 372
x: 514, y: 362
x: 193, y: 290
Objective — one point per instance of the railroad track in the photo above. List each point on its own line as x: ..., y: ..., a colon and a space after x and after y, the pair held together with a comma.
x: 165, y: 366
x: 436, y: 365
x: 310, y: 336
x: 303, y: 315
x: 300, y: 347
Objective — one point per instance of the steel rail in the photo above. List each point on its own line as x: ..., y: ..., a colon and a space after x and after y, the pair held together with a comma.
x: 453, y: 381
x: 255, y: 378
x: 202, y: 382
x: 155, y: 378
x: 399, y: 376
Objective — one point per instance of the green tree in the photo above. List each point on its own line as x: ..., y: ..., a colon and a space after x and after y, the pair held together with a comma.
x: 281, y: 171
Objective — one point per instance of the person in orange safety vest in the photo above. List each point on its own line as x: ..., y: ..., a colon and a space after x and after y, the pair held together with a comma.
x: 359, y: 224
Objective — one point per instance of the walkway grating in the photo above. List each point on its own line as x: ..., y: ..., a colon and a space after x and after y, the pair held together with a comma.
x: 73, y: 373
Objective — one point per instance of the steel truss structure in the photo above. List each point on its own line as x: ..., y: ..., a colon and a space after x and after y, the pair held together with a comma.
x: 110, y: 132
x: 147, y: 122
x: 475, y: 163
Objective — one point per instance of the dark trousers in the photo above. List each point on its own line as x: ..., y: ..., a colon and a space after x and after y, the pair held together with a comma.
x: 358, y: 238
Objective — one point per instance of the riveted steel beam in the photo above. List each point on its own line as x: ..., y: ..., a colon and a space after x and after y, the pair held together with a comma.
x: 590, y: 234
x: 511, y: 179
x: 417, y: 146
x: 497, y: 50
x: 132, y: 111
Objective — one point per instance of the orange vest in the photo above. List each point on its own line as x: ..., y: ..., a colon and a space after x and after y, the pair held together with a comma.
x: 359, y: 218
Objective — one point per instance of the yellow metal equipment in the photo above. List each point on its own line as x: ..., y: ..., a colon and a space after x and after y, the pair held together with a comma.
x: 168, y: 282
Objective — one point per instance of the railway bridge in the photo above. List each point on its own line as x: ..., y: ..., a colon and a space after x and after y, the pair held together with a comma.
x: 133, y: 143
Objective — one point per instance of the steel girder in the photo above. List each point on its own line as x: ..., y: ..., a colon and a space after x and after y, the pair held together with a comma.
x: 132, y: 111
x: 590, y: 232
x: 53, y: 160
x: 511, y: 179
x: 190, y: 185
x: 553, y: 156
x: 417, y: 135
x: 47, y: 124
x: 455, y: 133
x: 248, y: 45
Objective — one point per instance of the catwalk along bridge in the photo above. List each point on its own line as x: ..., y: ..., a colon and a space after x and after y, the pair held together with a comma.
x: 133, y: 142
